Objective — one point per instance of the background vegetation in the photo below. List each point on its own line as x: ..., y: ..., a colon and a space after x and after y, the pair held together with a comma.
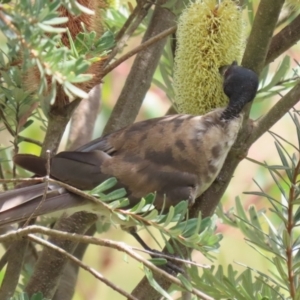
x: 258, y: 257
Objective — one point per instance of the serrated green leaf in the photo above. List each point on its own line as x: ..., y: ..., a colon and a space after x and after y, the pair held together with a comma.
x: 75, y: 90
x: 139, y: 206
x: 56, y: 21
x: 51, y: 29
x: 170, y: 216
x: 104, y: 186
x: 279, y: 74
x: 155, y: 285
x: 151, y: 215
x: 185, y: 282
x: 114, y: 195
x: 158, y: 261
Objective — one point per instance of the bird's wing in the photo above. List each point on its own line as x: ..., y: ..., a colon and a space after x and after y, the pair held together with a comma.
x: 149, y: 156
x: 142, y: 176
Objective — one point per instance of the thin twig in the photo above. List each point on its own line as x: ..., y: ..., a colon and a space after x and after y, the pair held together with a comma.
x: 261, y: 34
x: 120, y: 246
x: 81, y: 264
x: 5, y: 187
x: 126, y: 33
x: 289, y: 227
x: 284, y: 40
x: 129, y: 20
x: 139, y: 48
x: 103, y: 208
x: 30, y: 140
x: 16, y: 256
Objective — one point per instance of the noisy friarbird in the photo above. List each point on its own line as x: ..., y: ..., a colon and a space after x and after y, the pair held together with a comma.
x: 177, y: 157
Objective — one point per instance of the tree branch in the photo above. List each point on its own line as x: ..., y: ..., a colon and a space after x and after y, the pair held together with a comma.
x: 53, y: 262
x: 140, y: 76
x: 58, y: 119
x: 139, y: 48
x: 82, y: 265
x: 83, y: 119
x: 284, y: 40
x: 14, y: 268
x: 68, y: 280
x: 131, y: 24
x: 120, y: 246
x: 261, y: 34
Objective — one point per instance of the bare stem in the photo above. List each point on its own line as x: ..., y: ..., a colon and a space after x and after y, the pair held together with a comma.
x: 72, y: 258
x: 289, y: 227
x: 284, y: 40
x: 139, y: 48
x: 132, y: 23
x: 261, y: 34
x: 120, y: 246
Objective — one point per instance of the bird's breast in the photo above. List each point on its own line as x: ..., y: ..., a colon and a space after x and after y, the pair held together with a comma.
x: 212, y: 140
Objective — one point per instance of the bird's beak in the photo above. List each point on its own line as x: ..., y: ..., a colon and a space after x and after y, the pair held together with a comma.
x: 224, y: 68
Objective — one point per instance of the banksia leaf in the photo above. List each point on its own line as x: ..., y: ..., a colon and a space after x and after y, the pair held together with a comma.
x: 293, y: 3
x: 91, y: 20
x: 209, y: 36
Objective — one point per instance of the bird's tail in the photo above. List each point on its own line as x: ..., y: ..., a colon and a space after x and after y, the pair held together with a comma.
x: 19, y: 204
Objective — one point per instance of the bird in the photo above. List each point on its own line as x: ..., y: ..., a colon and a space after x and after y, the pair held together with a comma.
x: 177, y: 157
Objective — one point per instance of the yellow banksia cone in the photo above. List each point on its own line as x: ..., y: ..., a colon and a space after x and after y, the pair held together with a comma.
x: 209, y: 35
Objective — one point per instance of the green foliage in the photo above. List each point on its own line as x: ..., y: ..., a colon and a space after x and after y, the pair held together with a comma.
x: 274, y: 235
x: 33, y: 29
x: 196, y: 233
x: 24, y: 296
x: 282, y: 80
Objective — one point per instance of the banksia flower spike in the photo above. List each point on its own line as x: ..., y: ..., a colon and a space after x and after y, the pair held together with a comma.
x: 209, y: 35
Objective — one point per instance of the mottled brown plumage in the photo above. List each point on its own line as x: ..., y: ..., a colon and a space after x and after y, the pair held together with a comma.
x: 178, y: 157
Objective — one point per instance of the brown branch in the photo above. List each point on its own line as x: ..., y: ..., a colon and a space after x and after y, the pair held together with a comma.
x: 83, y: 119
x: 136, y: 11
x: 120, y: 246
x: 82, y: 265
x: 58, y: 119
x: 53, y: 262
x: 137, y: 16
x: 139, y: 48
x: 14, y: 267
x: 30, y: 140
x: 261, y: 34
x: 68, y: 280
x: 22, y: 232
x: 284, y: 40
x: 140, y: 76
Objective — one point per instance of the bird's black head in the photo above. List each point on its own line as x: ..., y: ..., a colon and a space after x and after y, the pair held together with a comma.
x: 240, y: 84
